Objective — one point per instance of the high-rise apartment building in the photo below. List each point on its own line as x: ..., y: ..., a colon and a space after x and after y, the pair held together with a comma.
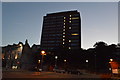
x: 61, y: 30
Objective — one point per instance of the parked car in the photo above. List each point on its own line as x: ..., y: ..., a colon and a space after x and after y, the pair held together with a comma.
x: 73, y: 71
x: 59, y: 70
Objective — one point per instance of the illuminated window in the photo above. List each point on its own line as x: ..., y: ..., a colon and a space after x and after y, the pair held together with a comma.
x: 63, y: 39
x: 63, y: 36
x: 75, y: 18
x: 70, y: 15
x: 69, y: 47
x: 69, y: 27
x: 63, y: 26
x: 63, y: 32
x: 64, y: 23
x: 14, y: 67
x: 69, y: 40
x: 16, y: 56
x: 75, y: 34
x: 63, y: 42
x: 3, y: 56
x: 69, y: 21
x: 63, y: 29
x: 64, y: 20
x: 64, y: 17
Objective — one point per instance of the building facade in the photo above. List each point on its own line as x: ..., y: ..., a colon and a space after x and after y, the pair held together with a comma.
x: 61, y: 30
x: 11, y: 55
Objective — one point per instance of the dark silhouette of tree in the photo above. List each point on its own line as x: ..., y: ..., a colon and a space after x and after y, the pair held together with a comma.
x: 102, y: 58
x: 100, y: 44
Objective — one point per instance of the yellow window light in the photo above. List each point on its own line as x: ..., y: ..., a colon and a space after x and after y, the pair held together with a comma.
x: 75, y: 18
x: 74, y: 34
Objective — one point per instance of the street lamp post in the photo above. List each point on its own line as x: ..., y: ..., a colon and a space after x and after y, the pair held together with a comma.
x: 87, y: 63
x: 56, y: 57
x: 65, y: 63
x: 43, y: 54
x: 111, y: 60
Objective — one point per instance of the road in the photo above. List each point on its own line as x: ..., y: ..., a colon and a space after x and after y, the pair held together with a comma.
x: 45, y: 75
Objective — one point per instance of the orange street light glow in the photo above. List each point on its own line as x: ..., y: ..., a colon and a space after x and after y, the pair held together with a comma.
x: 111, y: 59
x: 43, y: 53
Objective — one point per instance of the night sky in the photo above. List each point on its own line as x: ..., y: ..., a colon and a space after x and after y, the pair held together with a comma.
x: 23, y: 20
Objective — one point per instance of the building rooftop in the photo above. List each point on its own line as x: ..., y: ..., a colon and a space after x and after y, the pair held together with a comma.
x: 63, y: 12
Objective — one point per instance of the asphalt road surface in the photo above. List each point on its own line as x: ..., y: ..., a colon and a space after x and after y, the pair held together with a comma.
x: 44, y: 75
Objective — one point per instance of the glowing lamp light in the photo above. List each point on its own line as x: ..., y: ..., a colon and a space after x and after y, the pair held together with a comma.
x: 111, y: 59
x: 86, y: 60
x: 21, y: 47
x: 115, y: 71
x: 43, y: 53
x: 65, y: 60
x: 38, y: 61
x: 56, y: 57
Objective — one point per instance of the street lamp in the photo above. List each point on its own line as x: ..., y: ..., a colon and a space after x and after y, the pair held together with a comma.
x: 111, y: 60
x: 65, y: 64
x: 56, y: 57
x: 43, y: 54
x: 39, y: 61
x: 87, y: 63
x: 65, y: 60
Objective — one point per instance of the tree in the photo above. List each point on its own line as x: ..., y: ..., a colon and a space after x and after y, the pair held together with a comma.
x: 101, y: 50
x: 100, y: 44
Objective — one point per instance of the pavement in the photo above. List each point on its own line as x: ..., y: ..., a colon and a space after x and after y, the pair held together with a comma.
x: 45, y: 75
